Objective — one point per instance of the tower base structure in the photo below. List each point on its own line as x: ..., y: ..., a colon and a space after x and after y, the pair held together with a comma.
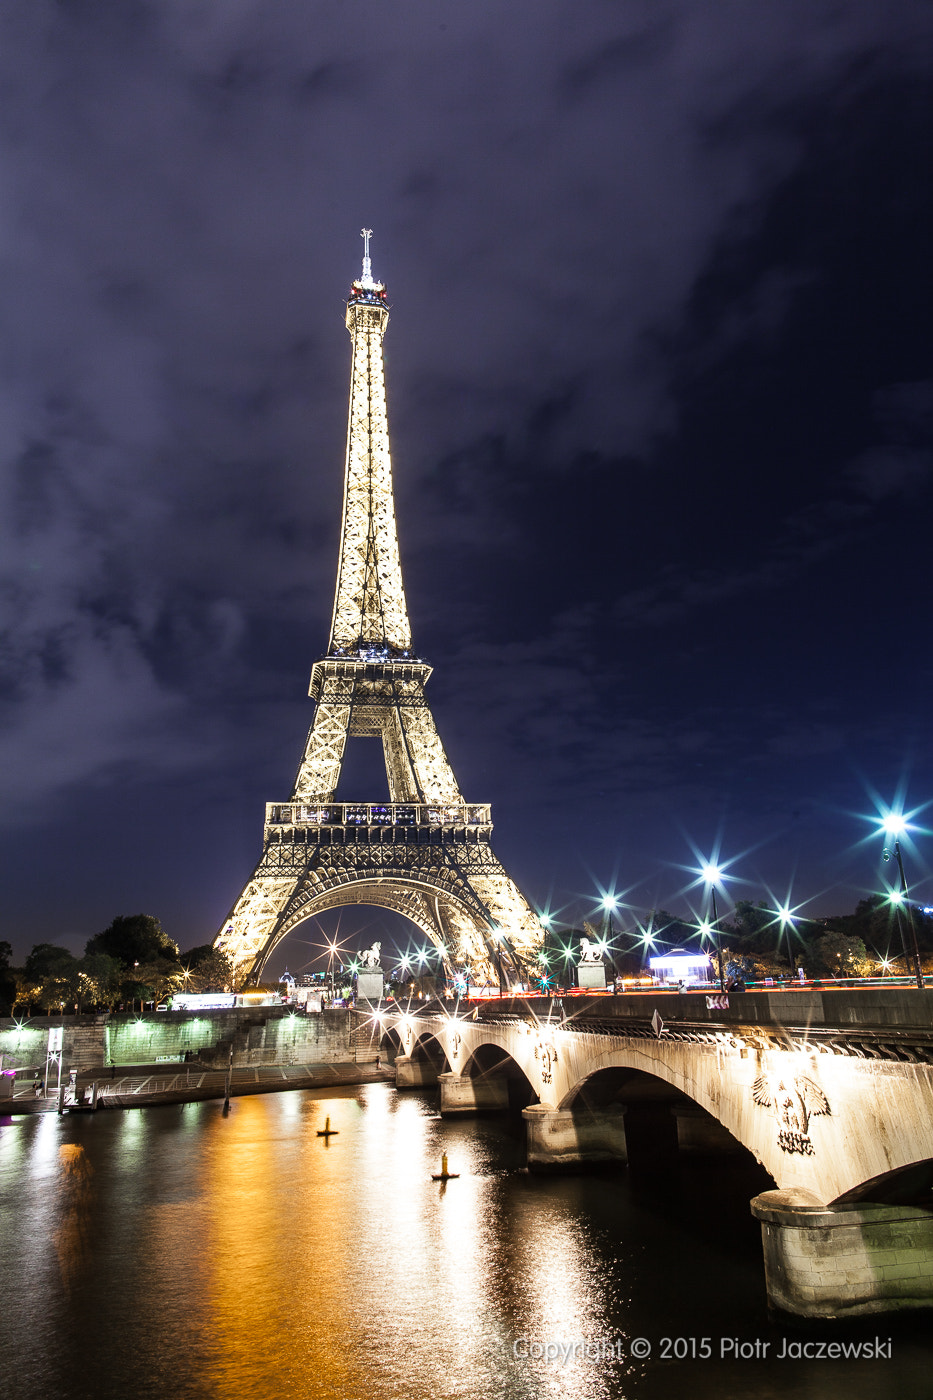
x: 434, y: 865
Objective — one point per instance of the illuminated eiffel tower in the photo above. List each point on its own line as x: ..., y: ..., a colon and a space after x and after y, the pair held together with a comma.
x: 425, y: 853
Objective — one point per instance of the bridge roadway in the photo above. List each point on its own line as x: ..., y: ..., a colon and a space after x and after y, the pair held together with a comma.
x: 830, y: 1090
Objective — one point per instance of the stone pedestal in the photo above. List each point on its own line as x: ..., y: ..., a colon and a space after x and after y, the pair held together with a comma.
x: 591, y: 977
x: 414, y: 1074
x: 369, y: 985
x: 844, y: 1261
x: 559, y: 1139
x: 460, y: 1094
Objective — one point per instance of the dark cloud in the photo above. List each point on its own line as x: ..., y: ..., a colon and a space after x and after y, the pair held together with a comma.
x: 652, y: 358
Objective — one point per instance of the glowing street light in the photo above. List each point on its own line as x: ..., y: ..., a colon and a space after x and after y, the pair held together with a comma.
x: 895, y: 827
x: 609, y: 904
x: 332, y: 951
x: 711, y: 875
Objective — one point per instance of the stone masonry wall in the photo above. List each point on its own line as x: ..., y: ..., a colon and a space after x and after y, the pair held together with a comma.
x: 259, y: 1036
x: 844, y: 1262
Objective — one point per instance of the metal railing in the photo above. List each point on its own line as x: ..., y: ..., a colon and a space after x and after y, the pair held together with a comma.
x: 411, y: 814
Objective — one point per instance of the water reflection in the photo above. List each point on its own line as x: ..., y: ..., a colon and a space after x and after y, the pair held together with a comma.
x: 175, y: 1252
x: 73, y: 1236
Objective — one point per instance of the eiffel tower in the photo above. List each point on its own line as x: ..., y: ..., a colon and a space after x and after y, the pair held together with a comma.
x: 426, y: 852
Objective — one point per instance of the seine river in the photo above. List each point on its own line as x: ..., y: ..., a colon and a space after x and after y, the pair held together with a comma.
x: 182, y: 1252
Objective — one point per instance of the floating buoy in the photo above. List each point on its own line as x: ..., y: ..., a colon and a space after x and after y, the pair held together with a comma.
x: 327, y: 1131
x: 444, y: 1174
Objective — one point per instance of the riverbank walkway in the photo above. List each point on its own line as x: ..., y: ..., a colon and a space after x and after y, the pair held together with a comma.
x: 143, y: 1086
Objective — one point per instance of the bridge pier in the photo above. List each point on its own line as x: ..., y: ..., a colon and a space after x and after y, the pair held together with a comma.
x: 484, y: 1094
x: 414, y: 1074
x: 560, y: 1139
x: 844, y: 1261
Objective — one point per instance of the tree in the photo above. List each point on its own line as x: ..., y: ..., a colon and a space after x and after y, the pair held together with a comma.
x: 8, y: 989
x: 46, y: 961
x: 672, y: 929
x: 101, y: 976
x: 134, y: 938
x: 193, y: 956
x: 155, y: 980
x: 51, y: 977
x: 836, y: 955
x: 213, y: 973
x: 61, y: 989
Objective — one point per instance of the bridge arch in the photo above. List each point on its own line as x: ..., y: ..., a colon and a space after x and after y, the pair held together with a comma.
x: 429, y: 1049
x: 391, y: 1041
x: 489, y: 1061
x: 661, y: 1120
x: 840, y: 1126
x: 907, y: 1185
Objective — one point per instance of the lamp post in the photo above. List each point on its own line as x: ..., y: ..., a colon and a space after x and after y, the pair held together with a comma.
x: 787, y: 921
x: 331, y: 950
x: 895, y: 826
x: 497, y: 944
x: 610, y: 904
x: 711, y: 873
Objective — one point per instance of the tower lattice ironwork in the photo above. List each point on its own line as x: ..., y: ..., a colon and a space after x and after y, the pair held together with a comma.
x: 426, y: 852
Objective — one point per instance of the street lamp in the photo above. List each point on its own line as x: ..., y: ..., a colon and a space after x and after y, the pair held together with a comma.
x: 786, y: 920
x: 894, y: 826
x: 609, y: 904
x: 711, y: 874
x: 331, y: 951
x: 497, y: 944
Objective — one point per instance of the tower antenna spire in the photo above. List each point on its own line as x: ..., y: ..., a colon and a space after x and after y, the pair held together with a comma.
x: 367, y: 278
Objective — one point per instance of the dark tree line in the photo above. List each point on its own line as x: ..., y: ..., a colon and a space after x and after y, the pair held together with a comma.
x: 132, y: 961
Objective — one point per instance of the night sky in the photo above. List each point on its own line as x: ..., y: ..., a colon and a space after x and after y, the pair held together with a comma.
x: 660, y: 397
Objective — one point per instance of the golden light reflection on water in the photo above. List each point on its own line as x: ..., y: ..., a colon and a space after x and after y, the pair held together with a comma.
x: 361, y: 1272
x: 72, y: 1239
x: 279, y: 1258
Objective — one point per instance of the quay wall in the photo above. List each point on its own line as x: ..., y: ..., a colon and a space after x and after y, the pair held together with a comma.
x: 269, y: 1035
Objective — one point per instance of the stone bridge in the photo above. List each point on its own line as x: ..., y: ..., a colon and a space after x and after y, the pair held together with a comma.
x: 831, y: 1091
